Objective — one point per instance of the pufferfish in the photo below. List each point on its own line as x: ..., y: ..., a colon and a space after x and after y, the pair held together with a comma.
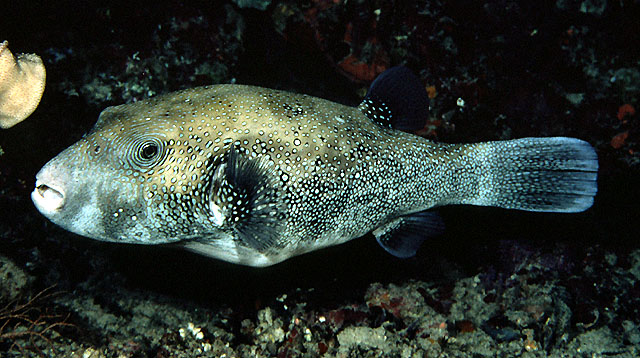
x: 254, y: 176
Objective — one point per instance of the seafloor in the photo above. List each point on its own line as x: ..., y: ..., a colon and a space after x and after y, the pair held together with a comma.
x: 498, y: 283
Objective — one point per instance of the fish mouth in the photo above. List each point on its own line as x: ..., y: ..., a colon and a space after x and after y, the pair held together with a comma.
x: 47, y: 198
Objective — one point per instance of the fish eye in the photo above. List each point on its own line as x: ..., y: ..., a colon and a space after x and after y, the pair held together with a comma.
x: 148, y: 151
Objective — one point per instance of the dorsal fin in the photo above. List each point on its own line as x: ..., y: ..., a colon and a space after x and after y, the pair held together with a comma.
x: 245, y: 197
x: 397, y: 99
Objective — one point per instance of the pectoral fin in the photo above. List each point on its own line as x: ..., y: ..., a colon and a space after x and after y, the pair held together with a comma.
x: 244, y: 196
x: 403, y: 236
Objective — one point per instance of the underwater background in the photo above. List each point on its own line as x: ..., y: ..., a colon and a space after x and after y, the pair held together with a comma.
x: 498, y: 283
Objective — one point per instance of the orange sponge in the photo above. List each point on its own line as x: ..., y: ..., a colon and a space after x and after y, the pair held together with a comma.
x: 22, y: 82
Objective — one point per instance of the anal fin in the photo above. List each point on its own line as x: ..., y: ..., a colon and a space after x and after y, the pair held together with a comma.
x: 403, y: 236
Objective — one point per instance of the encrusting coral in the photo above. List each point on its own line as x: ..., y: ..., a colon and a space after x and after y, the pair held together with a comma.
x: 22, y: 82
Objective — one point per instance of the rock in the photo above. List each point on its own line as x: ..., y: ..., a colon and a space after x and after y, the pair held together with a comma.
x: 256, y: 4
x: 373, y: 338
x: 14, y: 281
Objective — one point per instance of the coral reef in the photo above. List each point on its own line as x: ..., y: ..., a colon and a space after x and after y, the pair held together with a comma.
x: 22, y: 82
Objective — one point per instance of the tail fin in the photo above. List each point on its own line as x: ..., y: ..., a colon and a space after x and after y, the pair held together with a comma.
x: 555, y: 174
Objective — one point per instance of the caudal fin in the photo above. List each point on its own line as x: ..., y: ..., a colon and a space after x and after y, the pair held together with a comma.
x: 555, y: 174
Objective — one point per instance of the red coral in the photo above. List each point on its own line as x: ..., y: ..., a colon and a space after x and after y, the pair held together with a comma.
x: 322, y: 348
x: 626, y: 110
x: 466, y: 326
x: 618, y: 140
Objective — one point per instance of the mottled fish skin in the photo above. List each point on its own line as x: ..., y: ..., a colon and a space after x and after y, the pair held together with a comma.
x: 254, y: 176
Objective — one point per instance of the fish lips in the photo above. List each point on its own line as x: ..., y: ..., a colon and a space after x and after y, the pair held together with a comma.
x: 60, y: 197
x: 48, y: 196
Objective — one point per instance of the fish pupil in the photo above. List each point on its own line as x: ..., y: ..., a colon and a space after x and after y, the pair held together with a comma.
x: 149, y: 151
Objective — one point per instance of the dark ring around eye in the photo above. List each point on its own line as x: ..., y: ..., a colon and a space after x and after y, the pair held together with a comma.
x: 146, y: 152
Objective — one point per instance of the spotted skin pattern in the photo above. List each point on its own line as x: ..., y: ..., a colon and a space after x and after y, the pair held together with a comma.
x: 254, y: 176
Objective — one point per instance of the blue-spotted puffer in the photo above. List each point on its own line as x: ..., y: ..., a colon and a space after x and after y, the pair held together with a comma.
x: 254, y: 176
